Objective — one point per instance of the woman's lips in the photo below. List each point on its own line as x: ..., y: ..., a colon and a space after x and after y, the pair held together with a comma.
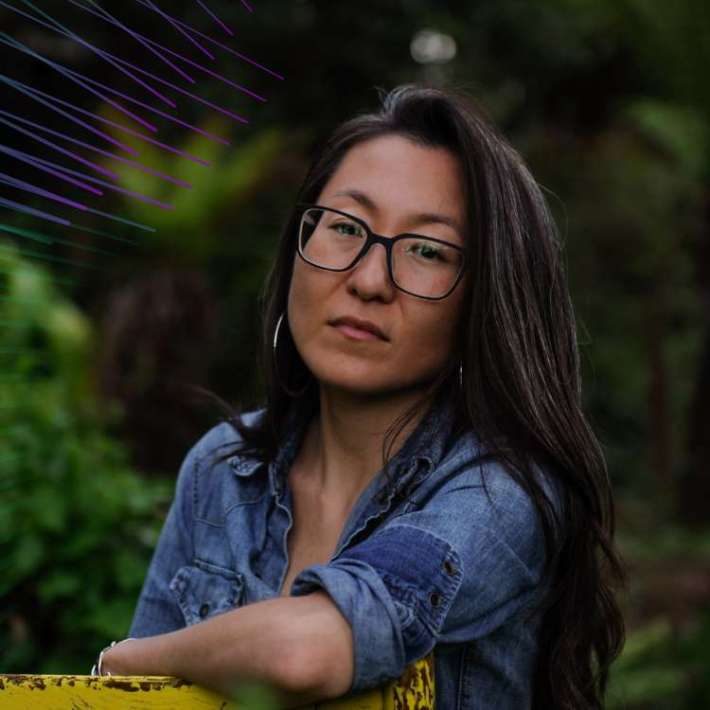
x: 350, y: 331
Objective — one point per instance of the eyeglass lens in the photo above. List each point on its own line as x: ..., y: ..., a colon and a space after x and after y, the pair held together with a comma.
x: 420, y: 265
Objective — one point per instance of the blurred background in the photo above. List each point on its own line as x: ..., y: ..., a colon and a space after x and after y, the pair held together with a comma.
x: 112, y: 304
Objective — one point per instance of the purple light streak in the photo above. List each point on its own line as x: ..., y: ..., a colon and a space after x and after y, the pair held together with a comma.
x: 215, y: 18
x: 223, y: 46
x: 54, y: 146
x: 167, y: 17
x: 48, y: 167
x: 96, y: 50
x: 71, y: 75
x: 28, y: 187
x: 116, y: 188
x: 99, y: 168
x: 29, y: 91
x: 18, y: 207
x: 106, y: 15
x: 163, y: 48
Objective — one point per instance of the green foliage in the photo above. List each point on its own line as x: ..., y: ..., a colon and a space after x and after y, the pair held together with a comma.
x: 187, y: 224
x: 663, y: 670
x: 77, y: 526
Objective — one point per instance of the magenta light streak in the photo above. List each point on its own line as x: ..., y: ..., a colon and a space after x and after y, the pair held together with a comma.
x: 199, y: 99
x: 29, y: 91
x: 72, y: 75
x: 22, y: 185
x: 163, y: 48
x: 11, y: 204
x: 122, y: 190
x: 196, y: 129
x: 215, y: 18
x: 154, y: 7
x: 54, y: 146
x: 136, y: 36
x: 28, y: 187
x: 108, y: 173
x: 120, y: 127
x: 225, y: 47
x: 247, y: 5
x: 48, y: 167
x: 94, y: 49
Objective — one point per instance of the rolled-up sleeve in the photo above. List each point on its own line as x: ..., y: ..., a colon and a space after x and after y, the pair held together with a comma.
x: 450, y: 572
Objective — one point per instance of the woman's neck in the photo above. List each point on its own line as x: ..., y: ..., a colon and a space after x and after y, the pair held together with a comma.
x: 342, y: 448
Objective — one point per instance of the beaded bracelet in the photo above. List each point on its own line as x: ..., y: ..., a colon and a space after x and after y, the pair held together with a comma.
x: 97, y: 668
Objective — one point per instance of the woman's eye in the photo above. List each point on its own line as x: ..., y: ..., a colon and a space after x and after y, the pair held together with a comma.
x: 427, y: 251
x: 349, y: 229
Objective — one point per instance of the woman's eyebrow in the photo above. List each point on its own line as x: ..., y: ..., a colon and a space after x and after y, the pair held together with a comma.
x: 417, y: 218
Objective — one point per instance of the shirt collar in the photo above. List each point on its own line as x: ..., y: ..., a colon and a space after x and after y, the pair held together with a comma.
x: 419, y: 455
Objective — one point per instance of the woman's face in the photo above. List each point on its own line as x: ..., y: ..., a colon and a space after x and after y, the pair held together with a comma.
x: 398, y: 181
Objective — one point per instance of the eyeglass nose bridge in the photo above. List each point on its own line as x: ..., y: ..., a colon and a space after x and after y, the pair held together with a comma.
x: 371, y: 240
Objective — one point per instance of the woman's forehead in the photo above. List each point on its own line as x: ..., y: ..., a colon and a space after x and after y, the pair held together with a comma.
x: 392, y: 176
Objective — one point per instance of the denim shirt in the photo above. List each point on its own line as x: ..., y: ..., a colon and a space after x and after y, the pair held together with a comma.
x: 446, y: 566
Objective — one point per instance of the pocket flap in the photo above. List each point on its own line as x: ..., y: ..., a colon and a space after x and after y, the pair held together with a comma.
x: 203, y: 593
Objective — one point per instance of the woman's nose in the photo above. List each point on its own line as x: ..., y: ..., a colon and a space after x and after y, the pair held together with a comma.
x: 370, y: 276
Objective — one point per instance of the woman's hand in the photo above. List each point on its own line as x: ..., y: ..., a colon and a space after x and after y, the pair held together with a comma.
x: 119, y: 659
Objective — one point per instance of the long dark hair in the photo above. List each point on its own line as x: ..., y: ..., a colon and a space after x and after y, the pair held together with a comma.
x: 521, y: 390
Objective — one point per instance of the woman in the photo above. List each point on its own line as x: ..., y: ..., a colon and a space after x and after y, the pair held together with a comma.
x: 422, y: 476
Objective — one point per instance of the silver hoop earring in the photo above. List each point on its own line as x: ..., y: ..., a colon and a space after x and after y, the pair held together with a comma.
x: 290, y: 392
x: 276, y: 332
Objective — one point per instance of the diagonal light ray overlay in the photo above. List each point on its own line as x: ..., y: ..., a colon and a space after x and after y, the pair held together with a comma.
x: 130, y: 99
x: 122, y: 190
x: 93, y: 48
x: 223, y: 46
x: 94, y: 166
x: 83, y: 247
x: 72, y: 75
x: 163, y: 48
x: 67, y: 242
x: 48, y: 168
x: 33, y: 94
x: 196, y: 129
x: 81, y: 228
x: 197, y: 98
x: 247, y: 6
x: 105, y: 14
x: 18, y: 207
x: 120, y: 127
x: 27, y: 187
x: 26, y: 233
x: 185, y: 34
x: 35, y: 236
x: 215, y: 18
x: 49, y: 257
x: 100, y: 169
x: 44, y: 239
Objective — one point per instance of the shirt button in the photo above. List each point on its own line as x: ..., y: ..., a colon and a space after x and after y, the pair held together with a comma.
x: 449, y: 568
x: 435, y: 599
x: 204, y: 610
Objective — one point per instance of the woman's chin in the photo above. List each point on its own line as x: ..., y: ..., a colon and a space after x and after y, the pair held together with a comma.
x: 368, y: 386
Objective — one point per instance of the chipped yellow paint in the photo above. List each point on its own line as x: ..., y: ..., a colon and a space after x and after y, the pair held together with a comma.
x: 413, y: 691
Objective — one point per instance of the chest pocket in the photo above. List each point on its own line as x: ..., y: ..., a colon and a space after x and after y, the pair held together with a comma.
x: 204, y: 590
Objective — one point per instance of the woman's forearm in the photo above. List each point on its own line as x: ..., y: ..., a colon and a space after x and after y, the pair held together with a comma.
x: 301, y: 646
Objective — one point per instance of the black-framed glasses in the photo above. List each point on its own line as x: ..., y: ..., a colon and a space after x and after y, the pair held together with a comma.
x: 421, y: 266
